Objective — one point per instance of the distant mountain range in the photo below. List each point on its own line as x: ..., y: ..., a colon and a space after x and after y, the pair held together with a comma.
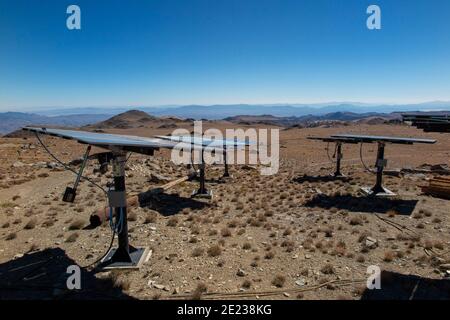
x: 215, y: 112
x: 10, y: 121
x: 290, y: 113
x: 308, y: 120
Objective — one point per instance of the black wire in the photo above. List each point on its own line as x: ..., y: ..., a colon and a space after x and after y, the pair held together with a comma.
x: 328, y: 152
x: 89, y: 180
x: 362, y: 161
x: 105, y: 254
x: 66, y: 166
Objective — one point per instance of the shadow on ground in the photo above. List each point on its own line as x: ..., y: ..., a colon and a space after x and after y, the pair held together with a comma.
x: 363, y: 204
x: 169, y: 204
x: 327, y: 178
x: 395, y: 286
x: 43, y: 275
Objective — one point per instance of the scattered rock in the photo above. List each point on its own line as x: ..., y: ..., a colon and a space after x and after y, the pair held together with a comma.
x: 76, y: 162
x: 301, y: 282
x: 371, y: 243
x: 445, y: 266
x: 154, y: 177
x: 240, y: 273
x: 18, y: 164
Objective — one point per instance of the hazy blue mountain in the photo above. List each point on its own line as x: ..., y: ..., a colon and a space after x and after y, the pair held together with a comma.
x: 279, y: 110
x: 11, y: 121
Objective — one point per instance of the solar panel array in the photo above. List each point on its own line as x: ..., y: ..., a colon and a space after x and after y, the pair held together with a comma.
x: 105, y: 140
x: 136, y: 143
x: 370, y: 139
x: 207, y: 142
x: 429, y: 122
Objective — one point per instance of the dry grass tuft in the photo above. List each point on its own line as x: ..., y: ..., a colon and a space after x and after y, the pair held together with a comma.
x: 327, y: 269
x: 246, y: 284
x: 30, y: 224
x: 76, y: 225
x: 197, y: 252
x: 73, y: 237
x: 389, y: 256
x: 132, y: 216
x: 354, y: 221
x: 225, y: 232
x: 11, y: 236
x: 199, y: 291
x: 214, y: 250
x: 150, y: 217
x: 279, y: 281
x: 172, y: 222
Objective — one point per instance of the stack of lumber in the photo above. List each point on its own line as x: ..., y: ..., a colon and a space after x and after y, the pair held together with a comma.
x: 438, y: 187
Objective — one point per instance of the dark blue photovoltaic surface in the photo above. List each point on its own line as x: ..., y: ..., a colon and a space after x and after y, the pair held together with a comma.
x: 105, y: 139
x: 206, y: 141
x: 364, y: 138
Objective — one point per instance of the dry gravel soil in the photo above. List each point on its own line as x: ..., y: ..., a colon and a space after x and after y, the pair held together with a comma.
x: 285, y: 236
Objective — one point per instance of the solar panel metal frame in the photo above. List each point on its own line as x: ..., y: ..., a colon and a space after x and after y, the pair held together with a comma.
x: 370, y: 139
x: 332, y: 139
x: 108, y: 141
x: 206, y: 142
x: 429, y: 122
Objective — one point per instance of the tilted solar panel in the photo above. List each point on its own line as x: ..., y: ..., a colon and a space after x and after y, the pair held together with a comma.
x: 429, y: 122
x: 106, y: 140
x: 333, y: 139
x: 366, y: 138
x: 207, y: 142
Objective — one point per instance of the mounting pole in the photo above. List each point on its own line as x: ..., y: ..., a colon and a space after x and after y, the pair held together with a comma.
x: 202, y: 189
x: 125, y: 256
x: 70, y: 193
x: 338, y: 173
x: 225, y: 162
x: 380, y: 164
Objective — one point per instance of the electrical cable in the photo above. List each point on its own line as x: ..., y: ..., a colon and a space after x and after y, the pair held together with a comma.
x: 92, y: 182
x: 362, y: 161
x: 66, y: 166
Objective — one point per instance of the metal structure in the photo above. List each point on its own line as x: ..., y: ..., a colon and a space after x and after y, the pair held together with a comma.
x: 338, y: 151
x: 429, y: 121
x: 381, y: 162
x: 125, y: 255
x: 204, y: 143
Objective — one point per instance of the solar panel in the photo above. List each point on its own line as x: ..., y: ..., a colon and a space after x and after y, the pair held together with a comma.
x: 429, y: 122
x: 369, y: 139
x: 106, y: 140
x: 207, y: 141
x: 333, y: 139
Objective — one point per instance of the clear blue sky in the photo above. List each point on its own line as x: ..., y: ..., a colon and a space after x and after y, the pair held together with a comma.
x: 138, y: 53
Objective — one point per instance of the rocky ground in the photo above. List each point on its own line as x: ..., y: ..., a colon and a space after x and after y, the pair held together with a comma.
x: 286, y: 236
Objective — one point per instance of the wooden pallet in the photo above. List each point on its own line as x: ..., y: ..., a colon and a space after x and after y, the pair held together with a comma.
x: 438, y: 187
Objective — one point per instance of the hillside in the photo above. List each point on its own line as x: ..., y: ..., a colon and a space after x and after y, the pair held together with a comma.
x: 136, y: 119
x: 311, y: 120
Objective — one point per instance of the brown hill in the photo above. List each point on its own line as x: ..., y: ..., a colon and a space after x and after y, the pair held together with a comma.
x: 127, y: 120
